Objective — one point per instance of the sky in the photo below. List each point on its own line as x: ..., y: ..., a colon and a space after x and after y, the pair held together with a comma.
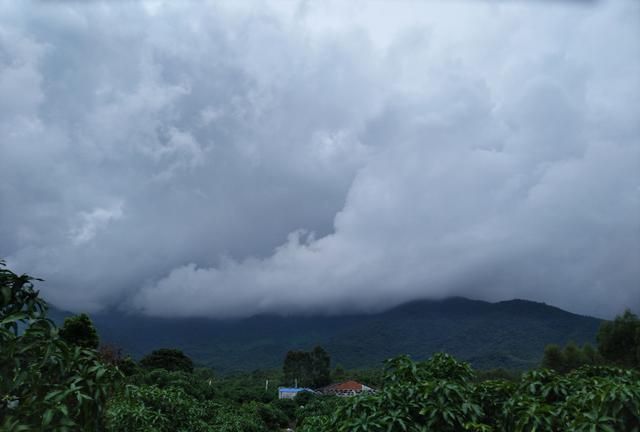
x: 225, y: 159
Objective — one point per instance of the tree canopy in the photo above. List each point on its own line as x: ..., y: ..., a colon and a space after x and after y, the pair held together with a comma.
x: 169, y: 359
x: 619, y: 340
x: 46, y: 384
x: 307, y: 369
x: 79, y: 330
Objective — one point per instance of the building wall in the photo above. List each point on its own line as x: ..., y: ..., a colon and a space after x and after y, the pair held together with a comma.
x: 287, y: 395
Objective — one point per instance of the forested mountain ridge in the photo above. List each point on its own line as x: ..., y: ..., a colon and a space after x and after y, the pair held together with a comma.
x: 509, y: 334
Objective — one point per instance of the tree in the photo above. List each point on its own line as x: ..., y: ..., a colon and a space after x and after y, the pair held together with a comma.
x: 112, y: 355
x: 297, y: 368
x: 307, y: 369
x: 46, y: 384
x: 590, y: 355
x: 167, y: 359
x: 619, y: 340
x: 320, y: 367
x: 79, y: 330
x: 553, y: 358
x: 573, y: 357
x: 339, y: 373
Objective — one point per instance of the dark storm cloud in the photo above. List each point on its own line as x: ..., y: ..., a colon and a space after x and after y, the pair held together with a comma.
x: 225, y: 160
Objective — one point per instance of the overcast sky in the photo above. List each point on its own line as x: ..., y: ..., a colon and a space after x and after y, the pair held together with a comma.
x: 193, y: 158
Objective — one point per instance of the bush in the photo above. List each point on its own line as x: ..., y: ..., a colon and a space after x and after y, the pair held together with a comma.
x: 152, y: 409
x: 168, y: 359
x: 440, y: 394
x: 79, y: 330
x: 46, y: 384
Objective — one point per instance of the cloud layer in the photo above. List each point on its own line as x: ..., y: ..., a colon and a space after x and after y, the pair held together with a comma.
x: 209, y: 159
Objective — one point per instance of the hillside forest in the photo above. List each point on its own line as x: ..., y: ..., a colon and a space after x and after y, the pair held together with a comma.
x: 63, y: 379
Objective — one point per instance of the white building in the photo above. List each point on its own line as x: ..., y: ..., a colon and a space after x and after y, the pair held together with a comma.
x: 291, y: 392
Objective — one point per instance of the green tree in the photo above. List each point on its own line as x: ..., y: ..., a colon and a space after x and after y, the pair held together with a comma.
x: 307, y: 369
x: 619, y: 340
x: 339, y: 373
x: 442, y: 395
x: 573, y: 357
x: 112, y: 355
x: 46, y: 384
x: 590, y: 355
x: 168, y: 359
x: 320, y: 367
x: 79, y: 330
x: 297, y: 368
x: 553, y: 358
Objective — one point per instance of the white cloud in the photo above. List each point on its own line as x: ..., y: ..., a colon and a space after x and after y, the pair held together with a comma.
x: 94, y: 221
x: 432, y: 149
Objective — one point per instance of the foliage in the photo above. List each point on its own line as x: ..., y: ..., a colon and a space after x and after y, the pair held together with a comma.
x: 320, y: 367
x: 46, y: 384
x: 271, y: 415
x: 150, y: 408
x: 79, y: 330
x: 619, y: 340
x: 192, y: 384
x: 112, y: 355
x: 317, y: 411
x: 307, y: 369
x: 297, y: 369
x: 570, y: 358
x: 497, y: 374
x: 168, y: 359
x: 205, y: 403
x: 434, y: 395
x: 246, y: 387
x: 440, y: 394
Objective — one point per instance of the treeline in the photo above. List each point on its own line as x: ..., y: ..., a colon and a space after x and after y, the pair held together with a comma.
x: 618, y: 345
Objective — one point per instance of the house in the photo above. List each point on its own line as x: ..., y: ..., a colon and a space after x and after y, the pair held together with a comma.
x: 346, y: 389
x: 291, y: 392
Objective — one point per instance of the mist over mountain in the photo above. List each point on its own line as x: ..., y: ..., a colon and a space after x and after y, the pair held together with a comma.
x: 510, y: 334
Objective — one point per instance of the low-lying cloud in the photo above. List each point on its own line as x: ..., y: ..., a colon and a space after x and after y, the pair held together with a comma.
x: 203, y: 159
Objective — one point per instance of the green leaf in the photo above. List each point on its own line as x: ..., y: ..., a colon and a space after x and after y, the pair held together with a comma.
x: 47, y: 417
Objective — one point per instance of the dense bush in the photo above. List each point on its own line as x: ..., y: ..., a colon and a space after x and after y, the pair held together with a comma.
x: 79, y: 330
x: 440, y: 394
x: 46, y: 384
x: 152, y: 409
x: 192, y: 384
x: 168, y: 359
x: 619, y: 340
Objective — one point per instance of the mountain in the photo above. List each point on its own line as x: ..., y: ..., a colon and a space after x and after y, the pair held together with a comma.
x: 510, y: 334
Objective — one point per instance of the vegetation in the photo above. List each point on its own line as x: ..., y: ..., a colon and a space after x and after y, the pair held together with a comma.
x: 307, y: 369
x: 54, y: 380
x: 79, y: 330
x: 440, y: 395
x: 46, y: 384
x: 570, y: 358
x: 168, y: 359
x: 470, y: 330
x: 619, y: 340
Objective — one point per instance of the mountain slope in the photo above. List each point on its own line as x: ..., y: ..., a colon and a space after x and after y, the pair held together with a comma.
x: 509, y: 334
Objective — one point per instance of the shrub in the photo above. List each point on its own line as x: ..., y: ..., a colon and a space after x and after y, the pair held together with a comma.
x: 46, y: 384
